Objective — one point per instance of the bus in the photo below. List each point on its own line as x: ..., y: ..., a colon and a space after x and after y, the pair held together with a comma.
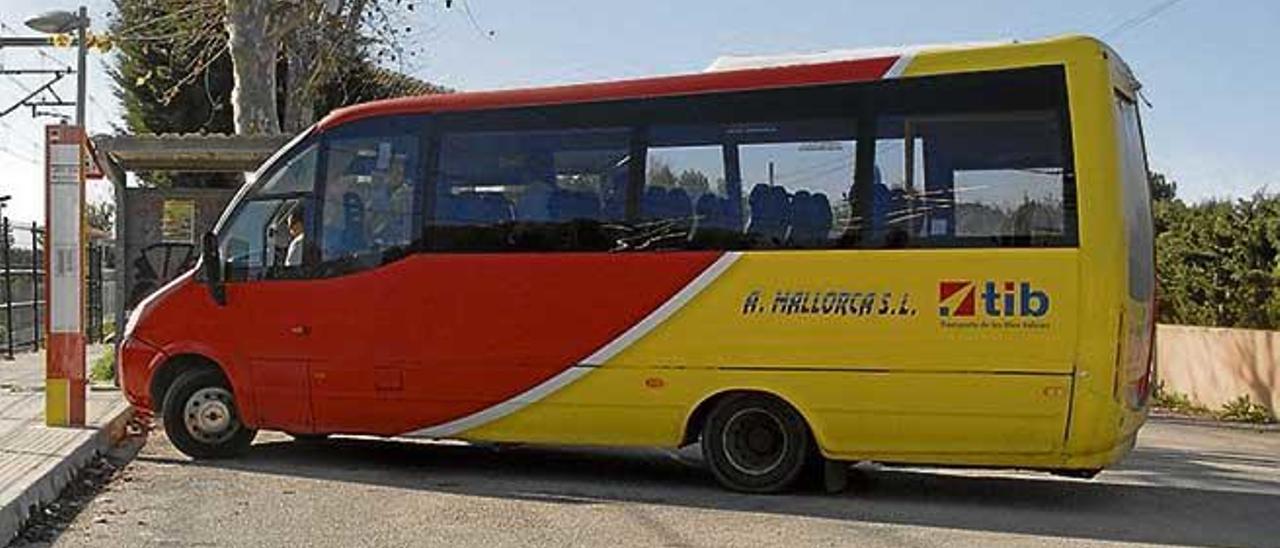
x: 936, y: 255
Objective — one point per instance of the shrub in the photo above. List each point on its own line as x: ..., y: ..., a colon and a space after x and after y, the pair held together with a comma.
x: 104, y: 367
x: 1244, y: 409
x: 1177, y: 402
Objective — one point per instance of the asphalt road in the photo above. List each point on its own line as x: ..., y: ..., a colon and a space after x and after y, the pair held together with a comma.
x: 1184, y: 484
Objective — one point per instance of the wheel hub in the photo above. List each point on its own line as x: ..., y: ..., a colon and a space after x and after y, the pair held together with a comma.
x: 209, y: 415
x: 755, y: 442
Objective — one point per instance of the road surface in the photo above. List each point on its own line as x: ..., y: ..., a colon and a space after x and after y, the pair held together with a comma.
x: 1184, y: 484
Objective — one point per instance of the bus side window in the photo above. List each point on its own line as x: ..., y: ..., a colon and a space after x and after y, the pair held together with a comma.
x: 978, y: 179
x: 766, y: 185
x: 270, y: 222
x: 367, y: 212
x: 535, y: 190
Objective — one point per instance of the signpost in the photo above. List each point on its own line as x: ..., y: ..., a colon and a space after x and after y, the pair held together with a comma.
x: 64, y: 262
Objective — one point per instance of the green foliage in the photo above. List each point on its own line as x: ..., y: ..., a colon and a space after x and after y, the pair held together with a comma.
x: 1162, y: 189
x: 1217, y: 261
x: 173, y: 71
x: 1244, y: 409
x: 172, y: 74
x: 101, y: 216
x: 1177, y: 402
x: 1241, y: 409
x: 103, y: 368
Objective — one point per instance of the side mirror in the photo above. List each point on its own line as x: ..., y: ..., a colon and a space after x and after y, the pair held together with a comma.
x: 211, y: 263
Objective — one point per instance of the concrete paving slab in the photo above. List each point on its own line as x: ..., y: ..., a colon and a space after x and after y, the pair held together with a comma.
x: 37, y: 461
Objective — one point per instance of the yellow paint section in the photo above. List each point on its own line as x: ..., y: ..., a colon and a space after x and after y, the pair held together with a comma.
x: 895, y: 380
x: 882, y: 374
x: 57, y: 402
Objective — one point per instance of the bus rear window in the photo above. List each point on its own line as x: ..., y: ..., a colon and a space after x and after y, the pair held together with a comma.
x: 1137, y: 200
x: 982, y: 179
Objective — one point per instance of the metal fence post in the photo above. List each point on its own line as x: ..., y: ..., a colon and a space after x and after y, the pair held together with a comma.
x: 8, y: 289
x: 95, y: 317
x: 37, y: 259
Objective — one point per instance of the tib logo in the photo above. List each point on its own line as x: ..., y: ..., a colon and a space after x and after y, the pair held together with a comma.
x: 958, y: 299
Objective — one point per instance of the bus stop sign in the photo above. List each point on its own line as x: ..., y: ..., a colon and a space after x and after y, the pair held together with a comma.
x: 64, y: 262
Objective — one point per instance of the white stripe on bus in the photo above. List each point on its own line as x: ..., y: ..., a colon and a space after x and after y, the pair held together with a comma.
x: 899, y: 67
x: 596, y: 359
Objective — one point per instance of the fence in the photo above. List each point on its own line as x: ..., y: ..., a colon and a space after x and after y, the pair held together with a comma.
x: 22, y: 299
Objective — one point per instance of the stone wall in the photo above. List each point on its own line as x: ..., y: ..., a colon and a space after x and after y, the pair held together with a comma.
x: 1215, y: 365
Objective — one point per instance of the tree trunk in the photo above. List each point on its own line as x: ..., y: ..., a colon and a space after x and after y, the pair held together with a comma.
x: 300, y: 107
x: 253, y: 60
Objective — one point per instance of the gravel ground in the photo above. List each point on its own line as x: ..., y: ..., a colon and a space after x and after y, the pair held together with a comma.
x: 1185, y: 484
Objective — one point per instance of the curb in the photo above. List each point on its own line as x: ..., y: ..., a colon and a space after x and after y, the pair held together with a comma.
x: 1169, y: 418
x: 53, y: 478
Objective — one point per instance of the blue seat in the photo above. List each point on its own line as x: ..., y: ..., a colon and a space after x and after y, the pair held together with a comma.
x: 653, y: 206
x: 715, y: 213
x: 679, y: 205
x: 770, y: 213
x: 568, y: 205
x: 470, y: 208
x: 353, y: 237
x: 614, y: 196
x: 810, y: 218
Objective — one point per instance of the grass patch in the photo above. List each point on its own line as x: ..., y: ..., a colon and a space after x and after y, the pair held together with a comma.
x: 104, y: 368
x: 1241, y: 409
x: 1244, y: 409
x: 1178, y: 402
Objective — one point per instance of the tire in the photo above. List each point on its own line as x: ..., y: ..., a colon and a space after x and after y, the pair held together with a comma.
x: 201, y: 417
x: 756, y: 444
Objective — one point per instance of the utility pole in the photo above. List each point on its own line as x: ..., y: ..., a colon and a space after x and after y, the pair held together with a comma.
x: 58, y: 25
x: 82, y: 47
x: 65, y: 382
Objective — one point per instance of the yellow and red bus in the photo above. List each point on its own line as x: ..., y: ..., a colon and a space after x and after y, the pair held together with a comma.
x: 934, y: 255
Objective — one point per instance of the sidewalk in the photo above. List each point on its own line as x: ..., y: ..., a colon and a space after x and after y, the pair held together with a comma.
x: 36, y: 461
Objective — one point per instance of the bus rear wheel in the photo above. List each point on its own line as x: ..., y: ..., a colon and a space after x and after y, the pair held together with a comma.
x: 755, y: 443
x: 201, y: 417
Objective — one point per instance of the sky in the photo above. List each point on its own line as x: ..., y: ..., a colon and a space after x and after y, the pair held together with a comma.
x: 1208, y: 66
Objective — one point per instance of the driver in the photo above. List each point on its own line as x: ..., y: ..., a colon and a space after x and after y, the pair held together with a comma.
x: 294, y: 256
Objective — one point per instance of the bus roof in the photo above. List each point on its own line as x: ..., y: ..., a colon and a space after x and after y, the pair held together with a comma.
x: 725, y: 74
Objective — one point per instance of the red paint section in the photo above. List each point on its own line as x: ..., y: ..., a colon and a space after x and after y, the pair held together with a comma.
x: 134, y: 380
x: 861, y: 70
x: 416, y: 343
x: 497, y: 325
x: 965, y: 306
x: 66, y: 356
x: 66, y: 361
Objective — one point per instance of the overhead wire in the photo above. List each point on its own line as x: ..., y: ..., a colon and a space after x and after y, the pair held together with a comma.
x: 1140, y: 19
x: 5, y: 149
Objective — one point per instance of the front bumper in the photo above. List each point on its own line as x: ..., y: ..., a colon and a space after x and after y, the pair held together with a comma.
x: 137, y: 361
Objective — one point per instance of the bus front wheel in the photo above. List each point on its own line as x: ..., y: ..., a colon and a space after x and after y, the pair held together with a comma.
x: 201, y: 417
x: 755, y: 443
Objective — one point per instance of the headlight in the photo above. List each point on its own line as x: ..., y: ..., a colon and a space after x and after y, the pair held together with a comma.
x: 132, y: 322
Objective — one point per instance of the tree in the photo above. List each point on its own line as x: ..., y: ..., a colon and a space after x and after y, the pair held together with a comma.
x: 254, y: 31
x: 319, y: 37
x: 1218, y: 262
x: 173, y: 72
x: 172, y: 75
x: 661, y: 174
x: 695, y: 183
x: 1162, y: 189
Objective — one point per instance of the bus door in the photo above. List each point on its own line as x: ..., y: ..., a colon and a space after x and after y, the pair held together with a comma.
x: 370, y: 178
x: 268, y: 305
